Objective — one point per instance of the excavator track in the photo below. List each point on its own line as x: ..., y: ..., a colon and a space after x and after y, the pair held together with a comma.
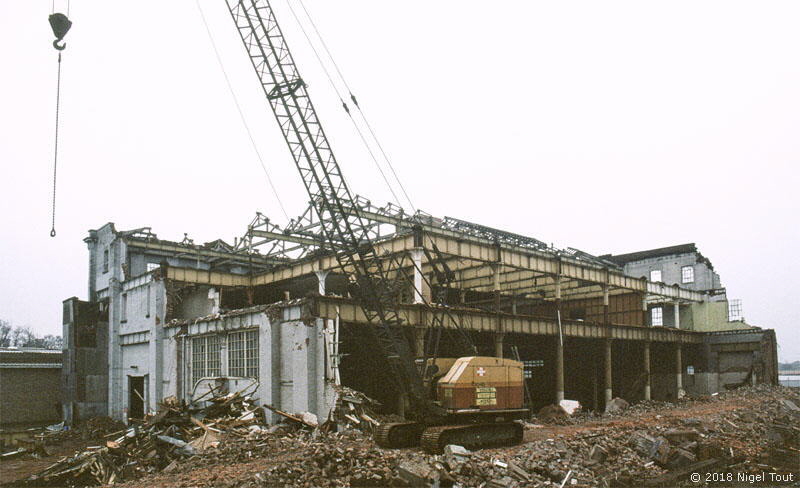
x: 399, y: 434
x: 473, y: 436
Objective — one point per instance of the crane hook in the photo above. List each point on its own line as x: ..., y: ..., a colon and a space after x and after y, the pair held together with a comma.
x: 60, y: 25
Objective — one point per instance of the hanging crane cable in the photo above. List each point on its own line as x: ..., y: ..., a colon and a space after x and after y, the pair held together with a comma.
x: 346, y: 108
x: 241, y: 113
x: 355, y: 102
x: 60, y: 24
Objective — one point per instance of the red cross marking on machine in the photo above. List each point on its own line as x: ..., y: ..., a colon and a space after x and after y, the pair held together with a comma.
x: 481, y: 371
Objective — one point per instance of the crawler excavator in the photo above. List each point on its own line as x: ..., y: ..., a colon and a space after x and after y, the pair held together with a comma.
x: 472, y: 401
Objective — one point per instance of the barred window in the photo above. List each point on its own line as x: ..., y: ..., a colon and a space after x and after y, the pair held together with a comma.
x: 205, y: 357
x: 243, y: 354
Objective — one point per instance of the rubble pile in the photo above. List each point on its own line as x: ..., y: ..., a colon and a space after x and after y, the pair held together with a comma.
x: 174, y: 433
x: 228, y: 443
x: 356, y: 410
x: 629, y: 453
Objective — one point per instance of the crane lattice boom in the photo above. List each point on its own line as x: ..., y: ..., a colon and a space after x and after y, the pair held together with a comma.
x: 343, y: 227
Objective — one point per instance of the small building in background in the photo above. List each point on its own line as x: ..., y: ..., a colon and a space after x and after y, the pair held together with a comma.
x: 30, y: 380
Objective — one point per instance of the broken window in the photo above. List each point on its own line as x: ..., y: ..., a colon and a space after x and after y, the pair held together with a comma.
x: 657, y: 316
x: 687, y: 274
x: 105, y: 260
x: 205, y: 358
x: 123, y: 309
x: 655, y: 275
x: 735, y: 310
x: 243, y: 354
x: 577, y: 314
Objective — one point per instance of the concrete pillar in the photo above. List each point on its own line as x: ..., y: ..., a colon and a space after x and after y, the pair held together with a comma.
x: 607, y: 370
x: 322, y: 275
x: 498, y: 344
x: 606, y: 315
x: 559, y: 370
x: 678, y: 370
x: 645, y: 315
x: 559, y: 345
x: 498, y: 336
x: 416, y: 257
x: 677, y: 309
x: 646, y: 366
x: 419, y: 342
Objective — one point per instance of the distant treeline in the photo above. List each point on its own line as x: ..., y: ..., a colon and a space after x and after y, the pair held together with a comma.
x: 789, y: 366
x: 26, y: 337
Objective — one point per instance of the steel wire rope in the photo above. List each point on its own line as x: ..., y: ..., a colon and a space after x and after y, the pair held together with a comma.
x: 355, y: 102
x: 55, y: 151
x: 55, y: 145
x: 468, y: 340
x: 344, y: 105
x: 239, y: 109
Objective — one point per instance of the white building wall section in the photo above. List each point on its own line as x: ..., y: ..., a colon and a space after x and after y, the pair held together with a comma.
x: 135, y: 362
x: 291, y: 355
x: 291, y: 362
x: 137, y: 309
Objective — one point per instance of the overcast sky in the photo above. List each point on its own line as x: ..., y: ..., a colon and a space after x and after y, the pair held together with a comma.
x: 606, y: 126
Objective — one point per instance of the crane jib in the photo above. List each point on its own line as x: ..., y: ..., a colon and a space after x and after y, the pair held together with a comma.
x: 344, y: 229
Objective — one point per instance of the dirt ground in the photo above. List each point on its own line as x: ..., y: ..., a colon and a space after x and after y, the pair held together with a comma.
x: 649, y: 418
x: 24, y: 466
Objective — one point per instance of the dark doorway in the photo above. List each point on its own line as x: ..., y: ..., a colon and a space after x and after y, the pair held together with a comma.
x: 136, y: 397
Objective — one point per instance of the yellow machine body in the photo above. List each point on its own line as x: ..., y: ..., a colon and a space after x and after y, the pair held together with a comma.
x: 482, y: 383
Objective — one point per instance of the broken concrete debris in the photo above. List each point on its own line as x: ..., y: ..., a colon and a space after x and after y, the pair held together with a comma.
x: 646, y: 445
x: 570, y: 406
x: 616, y: 405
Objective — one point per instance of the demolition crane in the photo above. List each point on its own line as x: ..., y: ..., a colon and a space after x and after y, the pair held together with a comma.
x: 475, y: 399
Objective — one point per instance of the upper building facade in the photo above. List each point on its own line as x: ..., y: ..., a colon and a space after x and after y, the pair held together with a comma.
x: 681, y: 265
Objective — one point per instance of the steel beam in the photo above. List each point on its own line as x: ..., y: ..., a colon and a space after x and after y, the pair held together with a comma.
x: 486, y: 321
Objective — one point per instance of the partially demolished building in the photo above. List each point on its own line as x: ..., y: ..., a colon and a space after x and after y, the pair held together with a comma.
x: 271, y: 312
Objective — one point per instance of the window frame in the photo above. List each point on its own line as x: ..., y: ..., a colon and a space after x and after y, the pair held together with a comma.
x: 206, y: 357
x: 690, y: 270
x: 243, y: 360
x: 148, y: 302
x: 657, y: 315
x: 123, y: 308
x: 660, y: 276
